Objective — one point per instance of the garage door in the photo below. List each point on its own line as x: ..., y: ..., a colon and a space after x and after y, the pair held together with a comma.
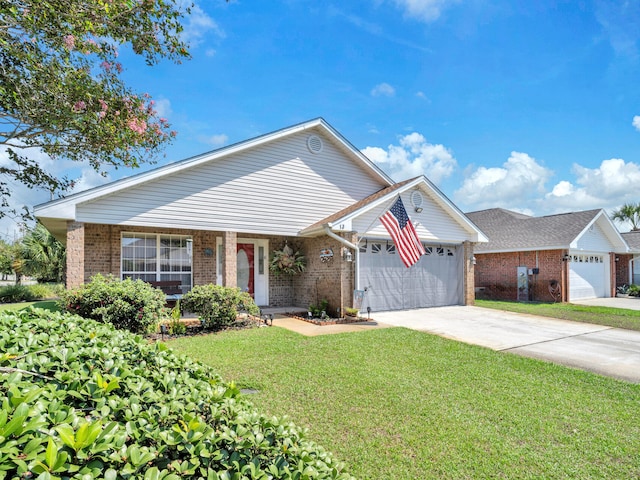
x: 588, y: 276
x: 436, y: 280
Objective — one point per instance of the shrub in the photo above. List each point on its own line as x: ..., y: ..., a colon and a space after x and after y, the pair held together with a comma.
x: 42, y: 291
x: 79, y: 399
x: 128, y: 304
x: 16, y: 293
x: 218, y: 306
x: 634, y: 290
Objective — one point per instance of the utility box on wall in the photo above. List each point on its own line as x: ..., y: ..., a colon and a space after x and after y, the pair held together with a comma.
x: 523, y: 284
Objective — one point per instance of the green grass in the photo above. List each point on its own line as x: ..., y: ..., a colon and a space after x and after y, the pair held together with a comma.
x: 50, y: 305
x: 400, y: 404
x: 612, y: 317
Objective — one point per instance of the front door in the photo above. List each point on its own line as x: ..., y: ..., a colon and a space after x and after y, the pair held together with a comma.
x: 245, y: 268
x: 252, y: 263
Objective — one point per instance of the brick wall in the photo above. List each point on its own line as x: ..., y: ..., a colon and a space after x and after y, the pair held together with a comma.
x: 496, y: 274
x: 331, y: 280
x: 622, y: 270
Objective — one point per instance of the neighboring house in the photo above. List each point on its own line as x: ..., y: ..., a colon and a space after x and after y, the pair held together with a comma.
x: 629, y: 265
x: 218, y: 218
x: 557, y: 257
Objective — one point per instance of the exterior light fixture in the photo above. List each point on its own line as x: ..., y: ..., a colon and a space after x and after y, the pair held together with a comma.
x: 565, y: 257
x: 418, y: 209
x: 473, y: 259
x: 347, y: 255
x: 617, y: 259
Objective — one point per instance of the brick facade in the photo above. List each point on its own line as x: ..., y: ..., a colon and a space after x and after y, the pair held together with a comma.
x: 496, y: 274
x: 93, y: 249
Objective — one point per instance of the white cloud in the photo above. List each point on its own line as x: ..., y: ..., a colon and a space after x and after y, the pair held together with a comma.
x: 424, y: 10
x: 198, y: 25
x: 216, y: 140
x: 413, y: 157
x: 514, y: 185
x: 619, y: 20
x: 163, y: 107
x: 383, y: 90
x: 613, y: 183
x: 636, y: 122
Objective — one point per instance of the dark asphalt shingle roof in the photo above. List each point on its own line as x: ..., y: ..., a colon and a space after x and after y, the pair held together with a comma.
x: 512, y: 231
x: 633, y: 239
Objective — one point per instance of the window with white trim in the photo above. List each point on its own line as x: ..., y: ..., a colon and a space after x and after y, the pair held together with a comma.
x: 157, y: 257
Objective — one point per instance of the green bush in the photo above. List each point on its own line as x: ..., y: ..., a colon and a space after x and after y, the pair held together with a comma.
x: 218, y: 306
x: 42, y: 291
x: 79, y: 399
x: 16, y: 293
x: 634, y: 290
x: 128, y: 304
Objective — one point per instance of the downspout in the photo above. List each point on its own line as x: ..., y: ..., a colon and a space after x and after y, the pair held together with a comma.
x: 347, y: 243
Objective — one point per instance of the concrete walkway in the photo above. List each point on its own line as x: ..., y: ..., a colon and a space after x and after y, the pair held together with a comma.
x: 605, y: 350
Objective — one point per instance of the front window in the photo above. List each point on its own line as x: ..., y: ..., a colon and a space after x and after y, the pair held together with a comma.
x: 157, y: 257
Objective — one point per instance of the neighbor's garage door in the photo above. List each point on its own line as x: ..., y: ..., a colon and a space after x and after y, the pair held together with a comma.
x: 588, y: 276
x: 436, y: 280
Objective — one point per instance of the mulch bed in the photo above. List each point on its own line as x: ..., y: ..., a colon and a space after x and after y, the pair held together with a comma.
x: 326, y: 321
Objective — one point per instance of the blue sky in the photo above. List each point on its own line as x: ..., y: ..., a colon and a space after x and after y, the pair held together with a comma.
x: 523, y: 105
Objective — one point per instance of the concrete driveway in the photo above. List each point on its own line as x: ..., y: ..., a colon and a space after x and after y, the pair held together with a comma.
x: 608, y: 351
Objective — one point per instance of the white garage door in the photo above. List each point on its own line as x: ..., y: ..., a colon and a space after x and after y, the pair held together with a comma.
x: 588, y: 276
x: 436, y: 280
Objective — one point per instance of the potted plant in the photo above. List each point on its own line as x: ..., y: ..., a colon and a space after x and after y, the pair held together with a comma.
x: 351, y: 312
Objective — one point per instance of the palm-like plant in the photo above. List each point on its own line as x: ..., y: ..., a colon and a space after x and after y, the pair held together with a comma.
x: 629, y: 212
x: 43, y: 256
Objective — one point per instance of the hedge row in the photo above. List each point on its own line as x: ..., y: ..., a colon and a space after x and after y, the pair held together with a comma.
x: 80, y: 399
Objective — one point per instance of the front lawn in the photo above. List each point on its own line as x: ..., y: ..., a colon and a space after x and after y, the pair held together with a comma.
x: 612, y: 317
x: 51, y: 305
x: 400, y: 404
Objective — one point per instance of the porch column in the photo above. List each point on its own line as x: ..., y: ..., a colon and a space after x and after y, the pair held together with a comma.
x: 75, y: 254
x: 469, y: 274
x: 229, y: 259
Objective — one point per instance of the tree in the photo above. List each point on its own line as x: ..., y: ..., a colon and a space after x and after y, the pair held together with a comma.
x: 629, y: 212
x: 42, y: 256
x: 61, y: 88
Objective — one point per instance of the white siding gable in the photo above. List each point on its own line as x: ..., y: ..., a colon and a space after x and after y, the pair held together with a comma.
x: 593, y: 239
x: 275, y: 188
x: 433, y: 224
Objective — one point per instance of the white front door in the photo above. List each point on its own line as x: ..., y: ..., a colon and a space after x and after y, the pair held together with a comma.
x: 252, y: 267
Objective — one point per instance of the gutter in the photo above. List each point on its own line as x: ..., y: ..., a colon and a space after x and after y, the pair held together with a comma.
x: 343, y: 241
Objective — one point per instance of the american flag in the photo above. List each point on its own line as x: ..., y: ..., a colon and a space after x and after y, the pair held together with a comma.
x: 403, y: 233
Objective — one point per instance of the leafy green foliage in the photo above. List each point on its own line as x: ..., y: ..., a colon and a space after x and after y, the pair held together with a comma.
x: 61, y: 85
x: 27, y: 293
x: 218, y: 306
x: 45, y: 258
x: 128, y: 304
x: 79, y: 399
x: 316, y: 310
x: 176, y: 327
x: 634, y: 290
x: 15, y: 294
x: 629, y: 212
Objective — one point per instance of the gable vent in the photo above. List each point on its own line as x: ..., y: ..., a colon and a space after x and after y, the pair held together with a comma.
x: 314, y: 144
